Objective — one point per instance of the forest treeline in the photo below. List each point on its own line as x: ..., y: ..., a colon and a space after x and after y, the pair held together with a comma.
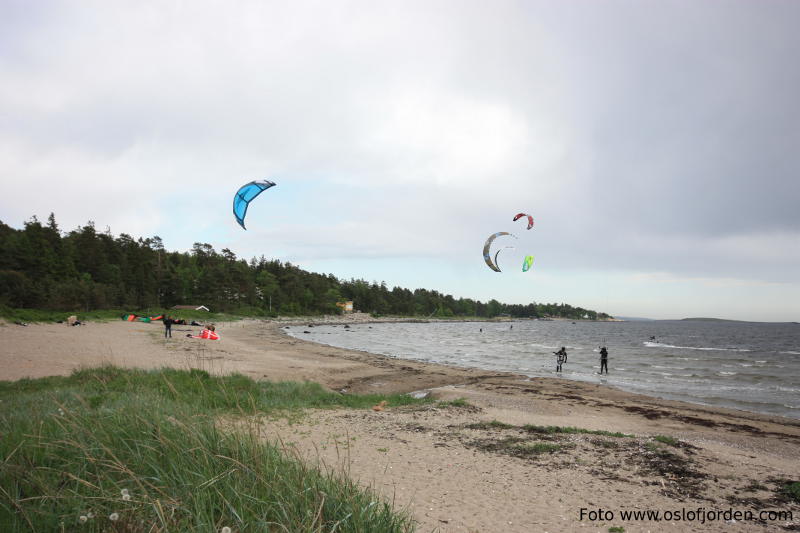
x: 42, y: 267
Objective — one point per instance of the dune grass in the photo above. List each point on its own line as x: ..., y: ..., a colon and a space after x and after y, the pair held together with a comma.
x: 664, y: 439
x: 572, y: 430
x: 112, y: 449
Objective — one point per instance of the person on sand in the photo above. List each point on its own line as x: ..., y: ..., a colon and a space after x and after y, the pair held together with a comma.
x: 168, y: 326
x: 603, y: 359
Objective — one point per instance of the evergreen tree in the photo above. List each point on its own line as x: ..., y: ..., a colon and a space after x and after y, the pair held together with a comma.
x: 41, y: 267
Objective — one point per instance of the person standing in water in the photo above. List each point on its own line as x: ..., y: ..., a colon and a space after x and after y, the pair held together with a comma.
x: 561, y: 358
x: 603, y: 359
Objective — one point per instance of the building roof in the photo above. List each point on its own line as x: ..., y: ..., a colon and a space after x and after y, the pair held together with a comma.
x: 193, y: 307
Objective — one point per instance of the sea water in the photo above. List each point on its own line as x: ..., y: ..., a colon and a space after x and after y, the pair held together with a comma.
x: 744, y: 365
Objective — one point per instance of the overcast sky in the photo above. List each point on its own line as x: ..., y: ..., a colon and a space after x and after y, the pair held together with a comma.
x: 656, y: 144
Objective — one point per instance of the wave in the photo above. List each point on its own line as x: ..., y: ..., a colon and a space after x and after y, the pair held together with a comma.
x: 662, y: 369
x: 662, y: 345
x: 545, y: 346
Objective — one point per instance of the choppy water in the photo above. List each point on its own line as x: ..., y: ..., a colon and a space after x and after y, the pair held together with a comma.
x: 744, y: 365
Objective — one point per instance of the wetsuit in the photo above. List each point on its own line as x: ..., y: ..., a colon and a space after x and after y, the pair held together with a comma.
x: 560, y: 358
x: 603, y: 359
x: 167, y: 328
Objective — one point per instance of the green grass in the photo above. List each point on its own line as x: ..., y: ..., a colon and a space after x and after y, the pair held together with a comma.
x: 494, y: 424
x: 671, y: 441
x: 616, y: 529
x: 458, y: 402
x: 536, y: 448
x: 653, y: 447
x: 571, y: 430
x: 183, y: 444
x: 791, y: 491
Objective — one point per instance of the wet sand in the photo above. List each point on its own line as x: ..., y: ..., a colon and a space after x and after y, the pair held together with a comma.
x: 447, y: 465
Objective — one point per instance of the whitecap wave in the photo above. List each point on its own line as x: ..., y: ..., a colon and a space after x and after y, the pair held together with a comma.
x: 704, y: 348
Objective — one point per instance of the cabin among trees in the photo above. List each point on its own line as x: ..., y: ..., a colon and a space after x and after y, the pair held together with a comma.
x: 190, y: 307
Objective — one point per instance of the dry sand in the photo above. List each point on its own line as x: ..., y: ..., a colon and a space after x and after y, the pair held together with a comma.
x: 451, y: 474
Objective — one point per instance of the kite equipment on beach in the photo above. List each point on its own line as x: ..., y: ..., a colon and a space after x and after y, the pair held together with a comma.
x: 206, y: 334
x: 530, y: 219
x: 487, y: 249
x: 245, y: 195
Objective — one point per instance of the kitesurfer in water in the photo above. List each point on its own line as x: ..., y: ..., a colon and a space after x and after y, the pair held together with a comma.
x: 603, y: 359
x: 561, y: 358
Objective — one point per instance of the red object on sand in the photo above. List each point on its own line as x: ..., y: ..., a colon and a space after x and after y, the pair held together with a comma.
x: 207, y: 334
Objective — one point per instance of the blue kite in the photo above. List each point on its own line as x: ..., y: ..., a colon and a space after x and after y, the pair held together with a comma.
x: 245, y: 195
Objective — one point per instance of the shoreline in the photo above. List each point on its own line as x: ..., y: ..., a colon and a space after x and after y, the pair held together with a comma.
x: 465, y: 466
x: 39, y: 361
x: 329, y: 321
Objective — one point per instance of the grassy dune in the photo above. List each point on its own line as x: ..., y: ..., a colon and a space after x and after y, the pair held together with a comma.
x: 109, y: 449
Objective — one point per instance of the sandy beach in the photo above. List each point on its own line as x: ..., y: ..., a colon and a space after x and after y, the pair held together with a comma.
x: 478, y: 465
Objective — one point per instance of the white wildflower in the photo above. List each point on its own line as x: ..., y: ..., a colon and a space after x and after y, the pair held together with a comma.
x: 124, y: 492
x: 83, y: 519
x: 226, y: 529
x: 90, y: 514
x: 113, y: 517
x: 126, y: 497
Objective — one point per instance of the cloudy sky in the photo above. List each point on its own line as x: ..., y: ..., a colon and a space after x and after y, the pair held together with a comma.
x: 657, y: 144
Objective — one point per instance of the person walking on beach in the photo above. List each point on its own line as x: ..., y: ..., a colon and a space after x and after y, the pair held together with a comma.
x: 167, y: 326
x: 603, y: 359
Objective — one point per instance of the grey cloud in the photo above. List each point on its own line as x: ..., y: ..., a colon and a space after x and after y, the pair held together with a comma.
x: 643, y: 136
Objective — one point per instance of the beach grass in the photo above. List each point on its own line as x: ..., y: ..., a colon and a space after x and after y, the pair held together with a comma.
x: 791, y: 491
x: 547, y: 430
x: 670, y: 441
x: 111, y: 449
x: 458, y: 402
x: 536, y: 448
x: 493, y: 424
x: 572, y: 430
